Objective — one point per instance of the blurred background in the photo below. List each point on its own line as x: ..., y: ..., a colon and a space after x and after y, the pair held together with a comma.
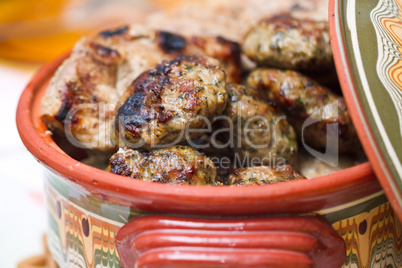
x: 40, y: 30
x: 33, y: 32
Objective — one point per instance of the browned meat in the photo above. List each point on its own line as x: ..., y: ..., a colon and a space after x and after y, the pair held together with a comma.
x: 73, y: 98
x: 162, y: 104
x: 260, y: 134
x: 285, y: 42
x: 145, y: 47
x: 101, y: 68
x: 226, y: 51
x: 173, y: 165
x: 301, y: 98
x: 264, y: 175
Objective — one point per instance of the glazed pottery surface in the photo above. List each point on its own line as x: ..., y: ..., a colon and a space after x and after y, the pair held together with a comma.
x: 367, y: 45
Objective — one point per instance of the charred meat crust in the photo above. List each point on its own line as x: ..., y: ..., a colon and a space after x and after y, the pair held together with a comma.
x: 119, y: 166
x: 97, y: 68
x: 69, y: 99
x: 170, y: 42
x: 264, y: 175
x: 145, y: 104
x: 114, y: 32
x: 150, y: 99
x: 94, y: 69
x: 83, y: 81
x: 101, y: 68
x: 173, y: 165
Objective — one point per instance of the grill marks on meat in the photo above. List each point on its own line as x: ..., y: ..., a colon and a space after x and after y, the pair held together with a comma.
x: 83, y: 81
x: 263, y: 175
x: 173, y: 165
x: 101, y: 68
x: 145, y: 104
x: 162, y: 103
x: 69, y: 100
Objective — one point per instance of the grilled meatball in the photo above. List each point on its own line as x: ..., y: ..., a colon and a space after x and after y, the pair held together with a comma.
x: 290, y: 43
x: 173, y: 165
x: 260, y: 133
x: 101, y: 68
x: 301, y: 98
x: 163, y: 105
x: 264, y: 175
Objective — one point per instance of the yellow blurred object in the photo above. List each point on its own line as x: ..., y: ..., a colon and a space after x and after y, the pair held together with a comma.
x: 40, y: 48
x: 23, y: 10
x: 33, y: 30
x: 164, y: 4
x: 40, y: 30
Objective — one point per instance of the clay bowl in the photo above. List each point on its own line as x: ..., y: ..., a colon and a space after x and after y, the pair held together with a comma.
x: 83, y: 200
x: 291, y: 197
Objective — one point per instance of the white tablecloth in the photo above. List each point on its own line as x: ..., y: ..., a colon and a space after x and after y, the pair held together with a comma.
x: 22, y: 202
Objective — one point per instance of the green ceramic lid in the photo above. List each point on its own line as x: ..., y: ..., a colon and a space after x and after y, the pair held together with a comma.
x: 367, y: 43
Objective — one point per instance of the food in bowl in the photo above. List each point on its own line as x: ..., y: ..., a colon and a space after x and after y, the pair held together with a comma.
x: 304, y: 100
x: 169, y: 100
x: 79, y: 193
x: 286, y: 42
x: 271, y: 136
x: 151, y: 94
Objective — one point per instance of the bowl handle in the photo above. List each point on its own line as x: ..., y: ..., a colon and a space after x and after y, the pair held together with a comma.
x: 279, y: 241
